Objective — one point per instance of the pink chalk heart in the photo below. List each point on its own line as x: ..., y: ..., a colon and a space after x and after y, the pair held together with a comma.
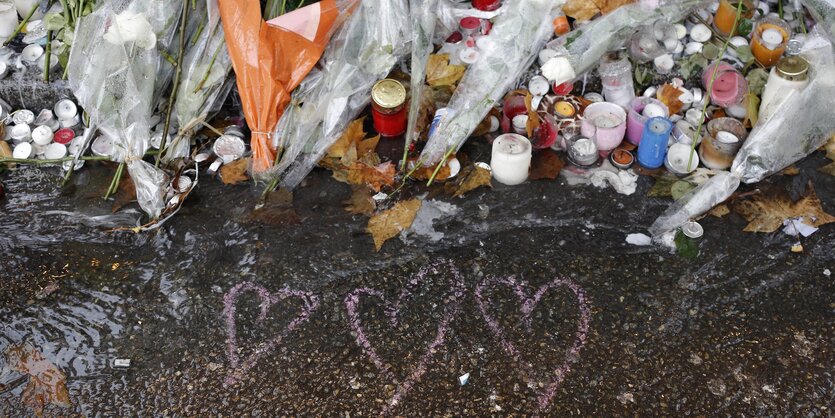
x: 392, y: 311
x: 267, y: 301
x: 529, y: 303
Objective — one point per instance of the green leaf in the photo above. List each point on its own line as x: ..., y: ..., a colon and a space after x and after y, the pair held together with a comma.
x: 710, y: 51
x: 663, y: 185
x: 756, y: 81
x: 54, y: 21
x: 681, y: 188
x: 745, y: 27
x: 686, y: 247
x: 744, y: 54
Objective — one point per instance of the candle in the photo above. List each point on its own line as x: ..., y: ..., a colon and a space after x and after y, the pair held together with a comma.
x: 24, y: 7
x: 64, y: 136
x: 790, y: 74
x: 511, y: 159
x: 388, y: 107
x: 520, y: 124
x: 678, y: 159
x: 769, y: 40
x: 486, y: 5
x: 55, y: 151
x: 635, y: 120
x: 729, y: 87
x: 726, y: 15
x: 31, y: 53
x: 69, y: 123
x: 723, y: 140
x: 616, y: 77
x: 468, y: 55
x: 22, y: 151
x: 8, y: 20
x: 605, y: 123
x: 539, y: 86
x: 42, y: 135
x: 469, y: 25
x: 21, y: 133
x: 23, y: 117
x: 46, y: 118
x: 582, y: 151
x: 65, y: 109
x: 103, y: 146
x: 653, y: 146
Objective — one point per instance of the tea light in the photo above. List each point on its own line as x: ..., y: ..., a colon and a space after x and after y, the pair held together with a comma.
x: 4, y: 68
x: 69, y: 123
x: 664, y: 64
x: 737, y: 110
x: 694, y: 116
x: 64, y: 136
x: 583, y: 152
x: 681, y: 31
x: 539, y: 86
x: 700, y: 33
x: 494, y: 124
x: 693, y: 48
x: 22, y: 151
x: 55, y: 151
x: 8, y: 20
x: 21, y: 133
x: 46, y: 118
x: 592, y: 97
x: 31, y: 53
x: 469, y: 25
x: 726, y: 137
x: 772, y: 38
x: 229, y: 148
x: 23, y: 117
x: 678, y: 158
x: 42, y: 135
x: 65, y: 109
x: 511, y: 159
x: 102, y: 146
x: 650, y: 91
x: 468, y: 55
x: 520, y: 124
x: 653, y: 110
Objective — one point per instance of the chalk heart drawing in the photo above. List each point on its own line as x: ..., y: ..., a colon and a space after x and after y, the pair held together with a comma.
x: 529, y: 303
x: 267, y: 301
x: 392, y: 310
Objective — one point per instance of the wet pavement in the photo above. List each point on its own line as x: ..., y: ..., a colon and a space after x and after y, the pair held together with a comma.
x: 530, y: 290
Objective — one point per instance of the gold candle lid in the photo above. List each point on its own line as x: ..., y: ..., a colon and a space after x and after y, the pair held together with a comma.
x: 793, y: 68
x: 388, y: 93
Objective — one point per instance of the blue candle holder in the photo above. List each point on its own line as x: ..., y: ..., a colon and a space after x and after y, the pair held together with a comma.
x: 653, y: 146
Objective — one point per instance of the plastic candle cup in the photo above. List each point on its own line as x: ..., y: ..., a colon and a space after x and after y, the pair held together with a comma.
x: 729, y: 87
x: 653, y: 146
x: 678, y: 158
x: 725, y: 15
x: 769, y: 41
x: 42, y: 135
x: 511, y: 159
x: 65, y: 109
x: 616, y: 77
x: 636, y: 121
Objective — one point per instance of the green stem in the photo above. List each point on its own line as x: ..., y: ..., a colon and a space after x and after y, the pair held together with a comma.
x: 177, y: 74
x: 209, y: 69
x: 21, y: 26
x: 780, y: 8
x: 198, y: 32
x: 48, y: 57
x: 117, y: 178
x: 33, y: 161
x: 710, y: 86
x: 441, y: 164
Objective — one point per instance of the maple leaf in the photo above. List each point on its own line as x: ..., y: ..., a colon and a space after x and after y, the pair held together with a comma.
x: 374, y: 176
x: 352, y: 135
x: 234, y: 172
x: 125, y: 195
x: 361, y: 201
x: 424, y: 173
x: 580, y: 10
x: 669, y: 94
x: 47, y: 383
x: 472, y: 177
x: 546, y: 164
x: 607, y: 6
x: 720, y: 211
x: 440, y: 73
x: 389, y: 223
x: 767, y: 213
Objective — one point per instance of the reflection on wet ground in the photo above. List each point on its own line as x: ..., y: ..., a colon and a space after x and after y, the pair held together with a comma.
x: 528, y: 295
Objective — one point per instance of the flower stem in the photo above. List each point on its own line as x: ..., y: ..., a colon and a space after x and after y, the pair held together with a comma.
x: 178, y: 71
x: 21, y: 25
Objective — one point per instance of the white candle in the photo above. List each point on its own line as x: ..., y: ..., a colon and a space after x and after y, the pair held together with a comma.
x: 772, y: 38
x: 23, y: 117
x: 539, y: 86
x: 664, y: 64
x: 693, y: 48
x: 520, y: 124
x: 21, y: 133
x: 726, y: 137
x: 22, y: 150
x: 8, y: 20
x: 55, y: 151
x: 511, y: 159
x: 653, y: 110
x: 700, y: 33
x: 31, y: 53
x: 69, y: 123
x: 42, y: 135
x: 65, y: 109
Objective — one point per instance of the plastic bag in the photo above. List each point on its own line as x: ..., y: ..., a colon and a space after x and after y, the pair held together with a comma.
x: 801, y: 125
x: 364, y: 50
x: 424, y: 18
x: 205, y: 82
x: 112, y: 71
x: 271, y: 58
x: 518, y: 35
x: 584, y: 46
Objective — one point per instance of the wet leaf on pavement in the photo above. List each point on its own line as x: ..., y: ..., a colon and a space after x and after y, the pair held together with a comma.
x: 234, y: 172
x: 47, y: 383
x: 685, y: 246
x: 125, y: 195
x: 440, y: 73
x: 471, y: 177
x: 765, y: 212
x: 829, y: 149
x: 361, y: 201
x: 546, y: 164
x: 424, y: 173
x: 663, y: 185
x: 389, y: 223
x: 352, y: 136
x: 720, y: 211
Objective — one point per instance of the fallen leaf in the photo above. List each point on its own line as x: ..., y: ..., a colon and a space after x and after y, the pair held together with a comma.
x: 374, y: 176
x: 47, y: 383
x: 828, y: 169
x: 790, y: 171
x: 663, y: 185
x: 352, y: 136
x: 607, y: 6
x: 829, y: 149
x: 720, y: 211
x: 277, y: 210
x: 361, y: 201
x: 234, y: 172
x: 580, y: 10
x: 767, y: 213
x: 125, y: 195
x: 471, y: 177
x: 389, y: 223
x: 669, y: 95
x: 546, y: 164
x: 368, y: 146
x: 432, y: 99
x: 752, y: 115
x: 424, y: 173
x: 440, y: 73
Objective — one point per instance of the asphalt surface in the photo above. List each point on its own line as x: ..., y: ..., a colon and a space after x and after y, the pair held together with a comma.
x: 531, y: 290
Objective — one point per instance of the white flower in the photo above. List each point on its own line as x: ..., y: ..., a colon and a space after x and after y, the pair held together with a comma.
x: 131, y: 27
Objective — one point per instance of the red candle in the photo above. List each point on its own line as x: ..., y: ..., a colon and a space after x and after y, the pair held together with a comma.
x: 388, y: 107
x: 487, y: 5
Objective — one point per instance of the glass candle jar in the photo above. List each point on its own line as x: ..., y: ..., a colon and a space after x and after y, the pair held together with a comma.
x: 725, y: 15
x: 723, y: 140
x: 769, y: 41
x: 616, y: 76
x: 388, y: 107
x: 790, y: 74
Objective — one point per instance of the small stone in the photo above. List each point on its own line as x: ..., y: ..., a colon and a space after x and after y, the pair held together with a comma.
x: 717, y: 387
x: 626, y: 397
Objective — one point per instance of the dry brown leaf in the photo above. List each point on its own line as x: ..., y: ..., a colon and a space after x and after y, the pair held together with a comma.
x: 472, y: 177
x: 580, y: 10
x: 368, y: 146
x: 277, y: 210
x: 607, y: 6
x: 790, y: 171
x: 125, y: 195
x: 361, y: 201
x: 440, y: 73
x: 828, y: 169
x: 47, y: 383
x: 234, y: 172
x: 6, y: 151
x: 353, y: 134
x: 829, y: 149
x: 389, y: 223
x: 669, y: 94
x: 374, y: 176
x: 546, y: 164
x: 720, y: 211
x: 424, y: 173
x: 767, y: 213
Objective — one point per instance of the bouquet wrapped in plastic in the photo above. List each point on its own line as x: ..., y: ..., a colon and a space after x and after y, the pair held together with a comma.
x: 112, y: 71
x: 802, y: 124
x: 424, y: 20
x: 518, y: 35
x: 205, y: 82
x: 584, y: 46
x: 364, y: 50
